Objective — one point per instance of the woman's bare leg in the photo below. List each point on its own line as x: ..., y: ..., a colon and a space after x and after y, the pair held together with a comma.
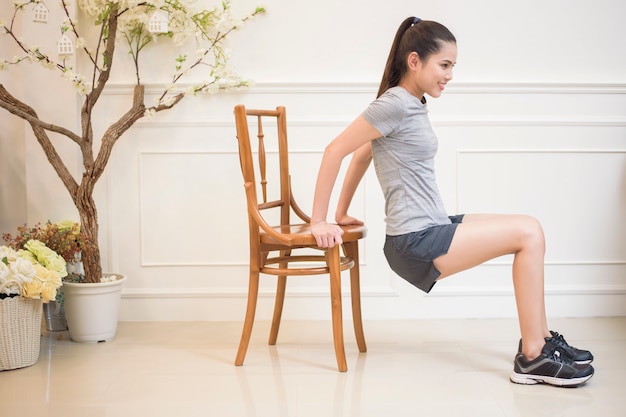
x: 482, y: 237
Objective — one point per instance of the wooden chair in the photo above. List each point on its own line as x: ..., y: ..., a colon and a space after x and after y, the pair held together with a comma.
x: 277, y: 249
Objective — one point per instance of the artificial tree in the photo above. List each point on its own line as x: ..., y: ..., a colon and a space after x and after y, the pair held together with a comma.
x: 138, y: 24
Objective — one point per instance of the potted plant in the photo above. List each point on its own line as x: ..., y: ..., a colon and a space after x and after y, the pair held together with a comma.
x: 137, y: 24
x: 28, y: 277
x: 92, y: 308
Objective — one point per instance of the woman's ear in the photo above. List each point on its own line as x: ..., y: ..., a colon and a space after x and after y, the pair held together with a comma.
x: 413, y: 61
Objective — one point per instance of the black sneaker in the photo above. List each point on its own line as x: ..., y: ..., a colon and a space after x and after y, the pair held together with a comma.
x: 577, y: 355
x: 552, y: 367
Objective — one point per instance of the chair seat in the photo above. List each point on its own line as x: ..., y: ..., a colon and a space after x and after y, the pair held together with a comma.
x: 301, y: 235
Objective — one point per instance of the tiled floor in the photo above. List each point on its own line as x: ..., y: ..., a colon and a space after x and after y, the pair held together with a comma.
x: 426, y: 368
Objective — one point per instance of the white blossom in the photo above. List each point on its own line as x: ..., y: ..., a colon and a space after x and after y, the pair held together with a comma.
x: 82, y: 89
x: 211, y: 88
x: 47, y: 64
x: 193, y: 29
x: 191, y: 90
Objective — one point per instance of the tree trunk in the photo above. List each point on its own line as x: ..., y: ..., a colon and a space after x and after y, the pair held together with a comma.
x: 89, y: 235
x: 93, y: 169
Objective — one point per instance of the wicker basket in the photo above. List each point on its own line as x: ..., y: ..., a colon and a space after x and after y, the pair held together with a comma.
x: 20, y: 332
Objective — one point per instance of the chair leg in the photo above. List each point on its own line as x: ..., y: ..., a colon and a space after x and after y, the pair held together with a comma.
x: 253, y: 293
x: 281, y: 285
x: 333, y: 261
x: 352, y: 250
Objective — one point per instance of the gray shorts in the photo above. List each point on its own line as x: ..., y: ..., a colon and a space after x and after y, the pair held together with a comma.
x: 411, y: 255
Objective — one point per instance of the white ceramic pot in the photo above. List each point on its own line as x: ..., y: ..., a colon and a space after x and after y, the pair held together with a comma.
x: 92, y: 309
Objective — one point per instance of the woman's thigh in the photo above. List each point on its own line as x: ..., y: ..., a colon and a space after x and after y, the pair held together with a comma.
x: 482, y: 237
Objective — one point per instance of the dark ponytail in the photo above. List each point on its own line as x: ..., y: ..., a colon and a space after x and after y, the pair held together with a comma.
x: 414, y: 35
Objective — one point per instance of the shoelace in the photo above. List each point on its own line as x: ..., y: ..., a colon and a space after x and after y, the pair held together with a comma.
x: 559, y: 340
x: 555, y: 352
x: 556, y: 355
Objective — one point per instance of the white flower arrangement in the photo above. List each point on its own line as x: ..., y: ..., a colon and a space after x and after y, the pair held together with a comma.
x: 33, y: 272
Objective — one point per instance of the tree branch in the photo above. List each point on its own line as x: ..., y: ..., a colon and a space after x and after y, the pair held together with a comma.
x: 92, y: 98
x: 21, y: 110
x: 15, y: 106
x: 113, y: 133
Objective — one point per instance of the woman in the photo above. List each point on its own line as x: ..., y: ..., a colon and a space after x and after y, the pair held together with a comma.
x: 423, y: 243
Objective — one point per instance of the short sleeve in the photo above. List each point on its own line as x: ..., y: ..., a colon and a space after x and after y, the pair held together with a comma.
x: 385, y: 113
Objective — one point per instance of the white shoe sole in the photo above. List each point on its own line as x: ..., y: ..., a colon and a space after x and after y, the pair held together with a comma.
x: 529, y: 379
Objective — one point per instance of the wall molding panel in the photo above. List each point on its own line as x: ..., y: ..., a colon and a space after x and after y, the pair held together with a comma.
x: 455, y: 87
x: 486, y: 131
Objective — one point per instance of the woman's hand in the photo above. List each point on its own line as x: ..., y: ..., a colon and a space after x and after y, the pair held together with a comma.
x: 346, y: 220
x: 327, y: 235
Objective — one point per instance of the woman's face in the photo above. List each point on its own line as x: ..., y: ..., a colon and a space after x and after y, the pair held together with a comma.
x: 430, y: 77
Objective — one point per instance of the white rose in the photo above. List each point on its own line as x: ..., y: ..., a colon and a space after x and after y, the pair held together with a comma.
x: 7, y: 252
x: 22, y: 270
x: 4, y: 272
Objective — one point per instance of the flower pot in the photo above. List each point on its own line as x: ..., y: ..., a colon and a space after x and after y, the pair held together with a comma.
x: 54, y: 316
x: 20, y: 332
x: 92, y: 309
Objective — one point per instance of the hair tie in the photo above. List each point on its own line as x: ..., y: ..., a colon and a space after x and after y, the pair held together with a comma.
x: 416, y: 20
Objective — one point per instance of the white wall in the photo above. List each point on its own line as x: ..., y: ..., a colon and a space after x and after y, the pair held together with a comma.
x: 534, y: 122
x: 12, y: 158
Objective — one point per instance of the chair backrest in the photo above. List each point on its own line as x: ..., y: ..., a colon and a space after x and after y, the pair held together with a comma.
x: 257, y: 156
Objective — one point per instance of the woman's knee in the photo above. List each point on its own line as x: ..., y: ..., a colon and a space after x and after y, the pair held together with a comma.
x: 531, y: 233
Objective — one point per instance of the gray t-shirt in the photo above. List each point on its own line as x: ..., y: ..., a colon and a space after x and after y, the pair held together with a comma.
x: 404, y: 162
